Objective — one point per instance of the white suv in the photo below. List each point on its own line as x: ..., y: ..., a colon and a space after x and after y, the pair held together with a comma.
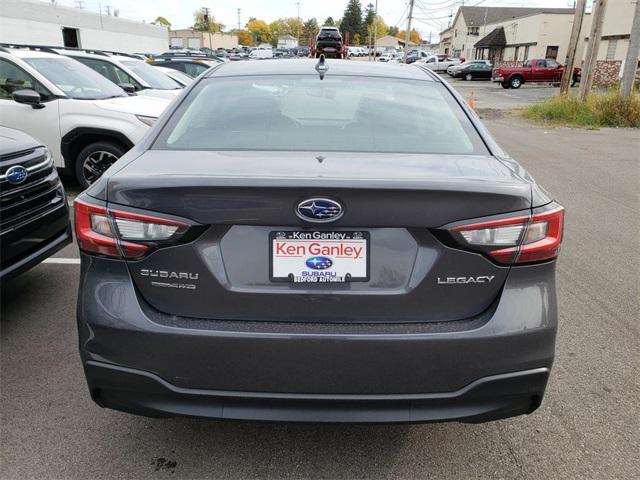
x: 86, y: 121
x: 125, y: 70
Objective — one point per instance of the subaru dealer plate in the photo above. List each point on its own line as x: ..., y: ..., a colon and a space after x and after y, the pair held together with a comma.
x: 303, y: 256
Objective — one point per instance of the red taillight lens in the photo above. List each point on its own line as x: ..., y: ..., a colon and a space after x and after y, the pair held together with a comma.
x: 116, y: 233
x: 515, y: 240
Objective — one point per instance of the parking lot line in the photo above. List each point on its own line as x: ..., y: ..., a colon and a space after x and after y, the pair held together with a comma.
x: 65, y: 261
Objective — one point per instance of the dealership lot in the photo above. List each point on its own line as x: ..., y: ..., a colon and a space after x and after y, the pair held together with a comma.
x: 588, y: 425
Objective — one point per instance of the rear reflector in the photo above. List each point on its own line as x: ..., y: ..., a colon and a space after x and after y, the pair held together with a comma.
x: 117, y: 233
x: 522, y: 239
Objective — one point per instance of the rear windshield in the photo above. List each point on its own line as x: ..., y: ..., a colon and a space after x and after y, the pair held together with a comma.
x: 153, y: 77
x: 304, y: 113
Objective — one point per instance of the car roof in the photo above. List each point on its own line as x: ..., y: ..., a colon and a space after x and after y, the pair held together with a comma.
x: 307, y: 67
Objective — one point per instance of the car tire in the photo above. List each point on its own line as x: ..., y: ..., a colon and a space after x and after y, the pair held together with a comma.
x: 94, y: 159
x: 468, y: 77
x: 574, y: 80
x: 504, y: 85
x: 515, y: 82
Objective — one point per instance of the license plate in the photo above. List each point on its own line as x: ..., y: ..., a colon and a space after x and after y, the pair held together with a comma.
x: 302, y: 256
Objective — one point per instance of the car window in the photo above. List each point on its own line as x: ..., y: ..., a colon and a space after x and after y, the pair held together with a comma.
x: 304, y: 113
x: 551, y: 63
x: 75, y: 79
x: 153, y: 77
x: 13, y: 78
x: 541, y: 63
x: 527, y: 64
x: 110, y: 71
x: 195, y: 69
x: 431, y: 60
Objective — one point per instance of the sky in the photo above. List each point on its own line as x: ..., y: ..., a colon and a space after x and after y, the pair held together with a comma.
x: 430, y: 16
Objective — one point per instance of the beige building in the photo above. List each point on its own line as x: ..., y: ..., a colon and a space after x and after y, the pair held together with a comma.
x: 500, y: 31
x: 389, y: 41
x: 544, y: 34
x: 616, y: 30
x: 194, y: 39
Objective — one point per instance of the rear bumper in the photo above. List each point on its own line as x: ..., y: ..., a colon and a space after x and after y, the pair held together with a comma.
x: 144, y: 393
x: 141, y: 361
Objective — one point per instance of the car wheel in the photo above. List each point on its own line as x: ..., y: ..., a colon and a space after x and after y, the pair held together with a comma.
x: 94, y: 159
x: 574, y: 81
x: 504, y: 85
x: 515, y: 82
x: 468, y: 76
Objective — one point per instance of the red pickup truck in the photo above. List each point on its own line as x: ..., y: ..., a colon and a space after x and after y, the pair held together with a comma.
x: 536, y: 70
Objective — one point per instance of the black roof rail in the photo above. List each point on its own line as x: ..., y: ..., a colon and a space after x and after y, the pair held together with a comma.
x: 40, y: 48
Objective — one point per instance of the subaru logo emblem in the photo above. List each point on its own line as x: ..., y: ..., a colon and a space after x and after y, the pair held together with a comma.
x: 319, y: 210
x: 16, y: 174
x: 319, y: 263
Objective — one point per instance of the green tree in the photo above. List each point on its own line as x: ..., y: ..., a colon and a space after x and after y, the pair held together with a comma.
x: 393, y: 31
x: 379, y: 27
x: 329, y: 22
x: 310, y: 30
x: 351, y: 20
x: 162, y: 21
x: 205, y: 22
x: 369, y: 17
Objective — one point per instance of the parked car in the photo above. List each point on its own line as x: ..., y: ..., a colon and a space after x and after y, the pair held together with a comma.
x: 126, y: 71
x: 473, y: 71
x: 453, y: 68
x: 534, y: 70
x: 86, y: 121
x: 229, y: 272
x: 34, y: 216
x: 439, y: 63
x: 415, y: 55
x: 180, y: 77
x: 261, y: 54
x: 329, y: 43
x: 192, y: 66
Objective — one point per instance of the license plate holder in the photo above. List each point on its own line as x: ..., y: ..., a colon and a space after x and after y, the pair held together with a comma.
x: 319, y: 257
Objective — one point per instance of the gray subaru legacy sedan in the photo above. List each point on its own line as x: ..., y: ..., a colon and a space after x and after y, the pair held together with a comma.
x: 318, y: 241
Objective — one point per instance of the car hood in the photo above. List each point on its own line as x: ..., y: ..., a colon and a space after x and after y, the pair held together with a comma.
x: 12, y: 141
x: 136, y: 105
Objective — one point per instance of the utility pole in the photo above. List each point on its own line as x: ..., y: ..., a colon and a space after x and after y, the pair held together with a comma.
x: 586, y: 82
x: 298, y: 5
x: 407, y: 34
x: 375, y: 31
x: 573, y: 46
x: 79, y: 4
x: 239, y: 23
x: 631, y: 61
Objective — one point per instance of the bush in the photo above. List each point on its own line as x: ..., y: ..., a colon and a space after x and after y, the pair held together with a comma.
x: 600, y: 110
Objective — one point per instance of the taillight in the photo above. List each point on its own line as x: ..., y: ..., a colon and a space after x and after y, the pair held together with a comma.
x: 515, y: 240
x: 117, y: 233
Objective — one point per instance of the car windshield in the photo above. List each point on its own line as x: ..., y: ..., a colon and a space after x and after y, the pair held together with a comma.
x: 75, y: 79
x: 151, y: 76
x: 304, y: 113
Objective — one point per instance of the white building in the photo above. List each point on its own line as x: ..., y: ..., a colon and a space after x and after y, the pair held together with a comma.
x: 194, y: 39
x: 287, y: 41
x: 39, y: 23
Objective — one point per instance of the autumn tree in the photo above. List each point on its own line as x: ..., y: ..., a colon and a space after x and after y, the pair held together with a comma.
x: 259, y: 30
x: 393, y: 31
x: 245, y: 38
x: 162, y: 21
x: 414, y: 37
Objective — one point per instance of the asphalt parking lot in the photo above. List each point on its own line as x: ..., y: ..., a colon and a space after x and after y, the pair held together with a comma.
x: 587, y: 427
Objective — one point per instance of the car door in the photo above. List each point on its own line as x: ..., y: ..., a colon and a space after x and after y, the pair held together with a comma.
x: 539, y: 71
x: 41, y: 123
x: 482, y: 70
x: 553, y: 72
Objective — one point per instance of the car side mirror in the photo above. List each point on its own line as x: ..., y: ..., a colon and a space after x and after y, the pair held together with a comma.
x: 28, y: 97
x: 127, y: 87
